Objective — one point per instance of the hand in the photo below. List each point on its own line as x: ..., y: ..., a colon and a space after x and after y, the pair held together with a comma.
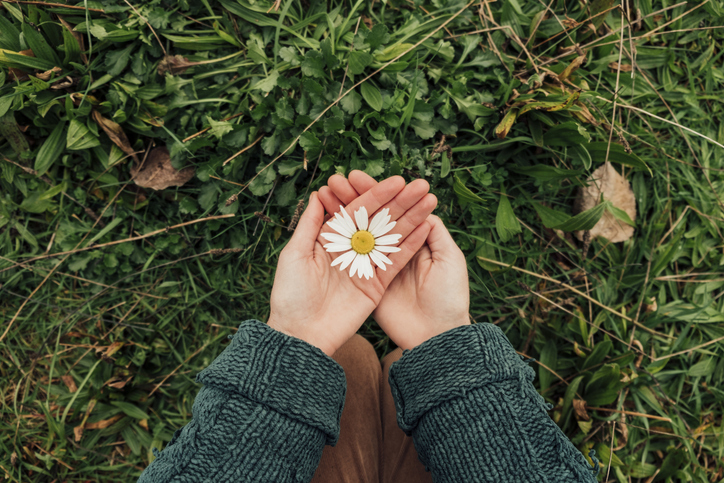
x: 431, y: 294
x: 320, y: 304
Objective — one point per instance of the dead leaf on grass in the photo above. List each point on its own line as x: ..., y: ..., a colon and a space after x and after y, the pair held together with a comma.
x: 616, y: 189
x: 623, y: 67
x: 77, y: 36
x: 175, y: 64
x: 108, y: 351
x: 579, y: 406
x: 116, y: 133
x: 157, y: 172
x: 69, y: 382
x: 574, y: 65
x: 103, y: 424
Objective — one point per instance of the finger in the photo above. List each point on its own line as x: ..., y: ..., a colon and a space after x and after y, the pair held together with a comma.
x: 329, y: 200
x: 361, y: 181
x: 375, y: 198
x: 408, y: 198
x: 408, y: 249
x: 341, y: 187
x: 415, y: 216
x: 441, y: 243
x: 310, y: 223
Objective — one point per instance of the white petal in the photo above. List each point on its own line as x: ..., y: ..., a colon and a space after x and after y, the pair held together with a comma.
x: 377, y: 220
x: 380, y: 226
x: 361, y: 217
x: 334, y: 237
x: 347, y: 226
x: 348, y: 220
x: 382, y: 248
x: 340, y: 227
x: 348, y: 260
x: 345, y: 259
x: 387, y: 240
x: 355, y: 265
x: 375, y: 256
x: 364, y: 266
x: 383, y: 229
x: 337, y: 247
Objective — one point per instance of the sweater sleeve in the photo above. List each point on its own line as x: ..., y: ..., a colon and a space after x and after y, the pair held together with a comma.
x: 269, y: 404
x: 468, y: 401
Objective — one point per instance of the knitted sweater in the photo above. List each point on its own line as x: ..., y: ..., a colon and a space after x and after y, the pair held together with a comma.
x: 271, y: 402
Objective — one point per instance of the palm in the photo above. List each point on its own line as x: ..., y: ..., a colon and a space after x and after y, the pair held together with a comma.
x: 430, y: 294
x: 322, y: 304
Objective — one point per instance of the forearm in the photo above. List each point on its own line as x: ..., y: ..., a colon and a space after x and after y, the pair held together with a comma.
x: 269, y: 404
x: 466, y: 398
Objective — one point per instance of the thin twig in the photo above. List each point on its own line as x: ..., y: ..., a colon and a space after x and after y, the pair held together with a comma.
x: 233, y: 156
x: 619, y: 314
x: 615, y: 92
x: 719, y: 339
x: 149, y: 26
x: 177, y: 368
x: 630, y: 413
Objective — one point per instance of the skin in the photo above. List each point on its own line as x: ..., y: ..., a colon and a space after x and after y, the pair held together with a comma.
x: 431, y: 294
x: 320, y: 304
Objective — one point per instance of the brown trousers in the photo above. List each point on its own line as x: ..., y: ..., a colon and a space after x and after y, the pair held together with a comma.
x: 371, y: 447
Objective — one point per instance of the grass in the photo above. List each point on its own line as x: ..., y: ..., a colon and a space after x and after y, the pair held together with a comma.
x: 107, y: 316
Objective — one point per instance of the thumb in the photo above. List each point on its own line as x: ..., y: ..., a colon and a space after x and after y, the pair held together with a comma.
x: 305, y: 235
x: 441, y: 243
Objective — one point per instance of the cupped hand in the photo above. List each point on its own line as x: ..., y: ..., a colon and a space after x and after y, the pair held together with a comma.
x: 323, y: 305
x: 430, y: 295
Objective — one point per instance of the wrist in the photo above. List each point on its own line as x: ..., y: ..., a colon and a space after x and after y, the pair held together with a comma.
x: 435, y: 330
x: 309, y: 338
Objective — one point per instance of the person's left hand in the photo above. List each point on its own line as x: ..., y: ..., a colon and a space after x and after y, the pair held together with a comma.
x: 320, y: 304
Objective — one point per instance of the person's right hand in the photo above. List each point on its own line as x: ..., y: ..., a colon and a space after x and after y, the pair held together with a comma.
x: 431, y: 294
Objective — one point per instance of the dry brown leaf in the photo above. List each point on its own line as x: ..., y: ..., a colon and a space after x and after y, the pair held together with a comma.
x: 584, y: 114
x: 575, y: 64
x: 116, y: 133
x: 614, y: 187
x: 69, y: 382
x: 78, y: 433
x: 175, y: 64
x: 579, y: 406
x: 109, y: 350
x: 62, y: 83
x: 48, y: 73
x: 117, y: 383
x: 624, y: 67
x: 103, y: 424
x: 623, y: 429
x: 157, y: 172
x: 77, y: 36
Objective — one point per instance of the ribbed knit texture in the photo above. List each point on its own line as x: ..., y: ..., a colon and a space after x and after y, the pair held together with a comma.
x: 269, y: 404
x: 466, y: 398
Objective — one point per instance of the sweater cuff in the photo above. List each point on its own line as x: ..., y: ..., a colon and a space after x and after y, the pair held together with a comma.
x: 448, y: 365
x: 282, y: 372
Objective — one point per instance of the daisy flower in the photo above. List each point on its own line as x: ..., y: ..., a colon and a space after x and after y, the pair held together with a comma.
x: 363, y: 243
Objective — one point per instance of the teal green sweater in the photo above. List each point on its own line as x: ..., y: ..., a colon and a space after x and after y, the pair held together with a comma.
x: 271, y: 402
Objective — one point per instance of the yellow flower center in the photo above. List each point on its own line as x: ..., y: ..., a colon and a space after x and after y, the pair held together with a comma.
x: 363, y: 242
